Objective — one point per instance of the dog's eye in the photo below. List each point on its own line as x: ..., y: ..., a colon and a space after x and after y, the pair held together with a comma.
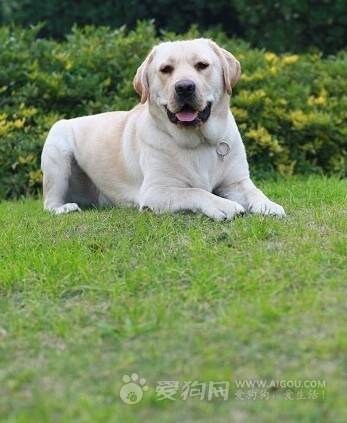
x: 166, y: 69
x: 201, y: 66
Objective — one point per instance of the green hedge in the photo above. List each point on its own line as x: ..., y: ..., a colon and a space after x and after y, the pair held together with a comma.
x: 291, y: 109
x: 287, y: 25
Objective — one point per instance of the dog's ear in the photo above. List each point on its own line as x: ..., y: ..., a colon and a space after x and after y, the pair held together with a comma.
x: 231, y: 66
x: 140, y: 82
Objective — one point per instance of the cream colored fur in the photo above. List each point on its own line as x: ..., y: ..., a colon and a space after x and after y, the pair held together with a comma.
x: 140, y: 158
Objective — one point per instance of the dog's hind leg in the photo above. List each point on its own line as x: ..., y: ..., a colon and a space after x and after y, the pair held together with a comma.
x: 56, y: 164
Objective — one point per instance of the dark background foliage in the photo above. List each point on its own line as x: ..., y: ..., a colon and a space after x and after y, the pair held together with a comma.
x: 287, y: 25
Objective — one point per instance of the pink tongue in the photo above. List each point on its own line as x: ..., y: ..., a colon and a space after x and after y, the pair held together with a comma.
x: 186, y: 116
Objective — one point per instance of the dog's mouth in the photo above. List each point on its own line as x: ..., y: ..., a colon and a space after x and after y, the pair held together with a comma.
x: 188, y: 116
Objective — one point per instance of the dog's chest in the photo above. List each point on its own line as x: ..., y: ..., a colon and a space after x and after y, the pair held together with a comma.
x: 203, y: 168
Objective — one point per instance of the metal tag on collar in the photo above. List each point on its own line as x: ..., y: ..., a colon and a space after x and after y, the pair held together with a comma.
x: 222, y: 149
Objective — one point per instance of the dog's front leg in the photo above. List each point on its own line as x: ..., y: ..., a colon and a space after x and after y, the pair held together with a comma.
x: 252, y: 198
x: 167, y: 199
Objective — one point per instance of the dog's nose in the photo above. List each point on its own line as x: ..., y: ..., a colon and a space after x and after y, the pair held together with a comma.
x: 185, y: 88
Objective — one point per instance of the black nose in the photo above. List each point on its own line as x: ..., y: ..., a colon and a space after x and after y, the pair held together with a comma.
x: 185, y: 88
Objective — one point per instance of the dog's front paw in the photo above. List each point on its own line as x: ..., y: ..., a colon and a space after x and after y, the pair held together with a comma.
x: 223, y: 209
x: 266, y: 207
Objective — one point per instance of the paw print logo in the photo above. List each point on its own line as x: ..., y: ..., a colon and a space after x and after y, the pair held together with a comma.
x: 132, y: 391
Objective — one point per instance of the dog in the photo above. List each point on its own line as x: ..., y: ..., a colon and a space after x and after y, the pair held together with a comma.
x: 179, y: 149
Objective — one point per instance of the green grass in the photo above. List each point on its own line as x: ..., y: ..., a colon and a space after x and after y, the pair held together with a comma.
x: 87, y: 298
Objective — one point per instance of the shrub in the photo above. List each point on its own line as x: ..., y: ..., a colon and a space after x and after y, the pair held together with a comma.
x: 287, y: 25
x: 291, y: 109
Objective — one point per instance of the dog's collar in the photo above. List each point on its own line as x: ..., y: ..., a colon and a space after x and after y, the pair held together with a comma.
x: 223, y: 149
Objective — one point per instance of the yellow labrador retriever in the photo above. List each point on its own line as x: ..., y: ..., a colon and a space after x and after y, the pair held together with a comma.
x: 180, y: 149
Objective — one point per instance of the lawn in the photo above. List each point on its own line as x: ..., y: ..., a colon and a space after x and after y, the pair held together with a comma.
x: 88, y: 298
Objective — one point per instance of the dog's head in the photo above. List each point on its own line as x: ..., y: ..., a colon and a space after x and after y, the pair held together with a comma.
x: 185, y: 79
